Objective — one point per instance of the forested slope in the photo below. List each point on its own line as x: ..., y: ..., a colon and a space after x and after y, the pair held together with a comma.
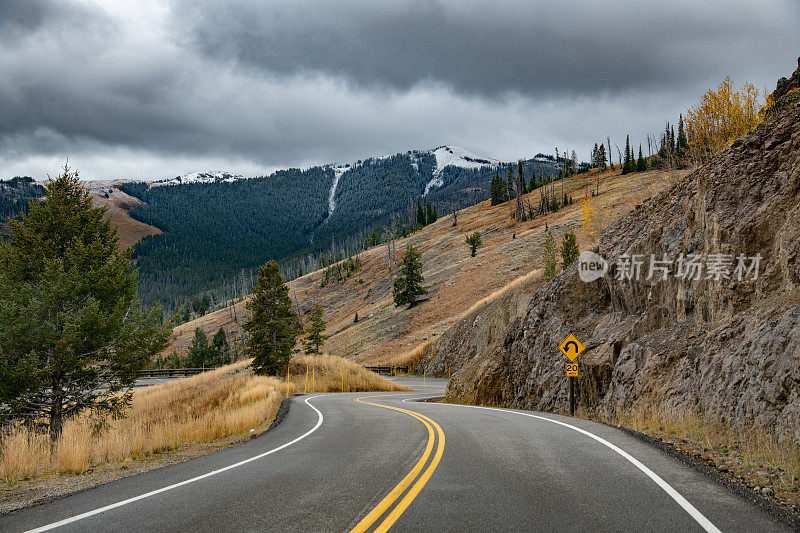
x: 214, y: 231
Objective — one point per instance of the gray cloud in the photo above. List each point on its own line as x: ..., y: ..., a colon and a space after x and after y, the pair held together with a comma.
x: 140, y: 90
x: 539, y: 48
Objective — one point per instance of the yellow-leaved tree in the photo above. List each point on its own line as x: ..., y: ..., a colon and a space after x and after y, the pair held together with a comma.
x: 593, y: 219
x: 722, y: 115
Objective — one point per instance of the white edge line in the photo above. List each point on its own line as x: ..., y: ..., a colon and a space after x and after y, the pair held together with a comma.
x: 704, y: 522
x: 99, y: 510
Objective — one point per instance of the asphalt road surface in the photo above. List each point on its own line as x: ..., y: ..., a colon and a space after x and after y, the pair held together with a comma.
x: 386, y: 461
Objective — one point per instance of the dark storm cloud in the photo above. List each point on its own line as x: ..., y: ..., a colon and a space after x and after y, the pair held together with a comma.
x: 144, y: 88
x: 536, y: 48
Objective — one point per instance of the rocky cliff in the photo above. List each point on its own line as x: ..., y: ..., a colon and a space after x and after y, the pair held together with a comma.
x: 720, y: 346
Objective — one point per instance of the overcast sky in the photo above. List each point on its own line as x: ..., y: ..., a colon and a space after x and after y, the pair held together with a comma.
x: 151, y: 89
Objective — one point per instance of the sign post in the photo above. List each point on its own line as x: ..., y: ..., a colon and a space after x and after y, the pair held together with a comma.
x: 571, y: 348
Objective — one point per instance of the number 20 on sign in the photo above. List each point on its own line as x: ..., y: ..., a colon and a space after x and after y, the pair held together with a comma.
x: 572, y: 370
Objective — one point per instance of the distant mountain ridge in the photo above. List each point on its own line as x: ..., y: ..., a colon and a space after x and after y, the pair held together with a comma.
x: 215, y: 224
x: 201, y: 177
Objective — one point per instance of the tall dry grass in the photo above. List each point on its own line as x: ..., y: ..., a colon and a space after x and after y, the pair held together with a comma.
x: 413, y: 357
x: 199, y: 409
x: 758, y: 457
x: 511, y: 285
x: 328, y: 373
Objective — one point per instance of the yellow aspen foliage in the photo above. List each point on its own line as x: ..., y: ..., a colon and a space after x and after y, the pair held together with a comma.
x: 593, y: 220
x: 722, y: 115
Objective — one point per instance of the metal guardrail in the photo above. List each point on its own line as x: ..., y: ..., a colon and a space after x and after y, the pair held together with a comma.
x: 171, y: 372
x: 387, y: 369
x: 183, y: 372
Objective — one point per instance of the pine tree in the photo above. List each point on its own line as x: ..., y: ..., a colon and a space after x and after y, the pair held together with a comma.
x: 408, y: 285
x: 499, y: 190
x: 641, y: 164
x: 73, y: 335
x: 672, y: 143
x: 474, y: 240
x: 532, y: 184
x: 273, y: 326
x: 682, y: 150
x: 549, y: 258
x: 522, y: 186
x: 315, y: 338
x: 355, y: 318
x: 198, y: 351
x: 602, y: 156
x: 221, y: 348
x: 420, y: 213
x: 626, y: 165
x: 569, y: 249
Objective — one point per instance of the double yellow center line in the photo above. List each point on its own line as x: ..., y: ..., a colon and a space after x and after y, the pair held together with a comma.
x: 414, y: 474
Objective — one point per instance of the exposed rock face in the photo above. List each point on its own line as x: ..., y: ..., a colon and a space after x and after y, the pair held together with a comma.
x: 725, y: 348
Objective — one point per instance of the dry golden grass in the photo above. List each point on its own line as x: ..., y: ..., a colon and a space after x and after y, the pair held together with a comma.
x: 749, y: 455
x: 328, y: 373
x: 413, y: 357
x: 200, y: 409
x: 531, y: 276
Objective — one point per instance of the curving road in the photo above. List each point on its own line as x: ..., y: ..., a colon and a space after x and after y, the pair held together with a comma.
x: 385, y: 461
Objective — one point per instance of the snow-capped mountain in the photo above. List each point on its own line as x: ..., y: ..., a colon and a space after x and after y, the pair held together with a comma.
x: 202, y: 177
x: 457, y: 157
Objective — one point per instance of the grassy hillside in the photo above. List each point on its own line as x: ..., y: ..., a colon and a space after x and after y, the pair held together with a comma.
x: 118, y: 207
x: 455, y: 280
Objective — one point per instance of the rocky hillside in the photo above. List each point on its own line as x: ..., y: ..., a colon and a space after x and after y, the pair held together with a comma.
x: 727, y: 349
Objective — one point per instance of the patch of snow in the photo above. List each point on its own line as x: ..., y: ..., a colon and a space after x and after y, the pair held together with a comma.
x: 458, y: 157
x: 201, y: 177
x: 337, y: 173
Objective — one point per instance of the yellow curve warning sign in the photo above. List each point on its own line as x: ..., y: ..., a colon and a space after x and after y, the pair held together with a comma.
x: 571, y: 347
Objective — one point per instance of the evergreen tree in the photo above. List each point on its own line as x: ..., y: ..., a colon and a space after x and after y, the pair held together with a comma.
x: 474, y: 240
x: 200, y: 353
x: 420, y: 213
x: 273, y: 326
x: 355, y: 319
x: 372, y: 239
x: 499, y: 190
x: 602, y: 156
x: 626, y: 165
x: 549, y: 259
x: 315, y: 338
x: 532, y: 184
x: 641, y: 164
x: 73, y: 335
x: 522, y: 186
x: 221, y: 349
x: 408, y: 285
x: 430, y: 216
x: 682, y: 142
x: 672, y: 138
x: 510, y: 183
x: 569, y: 249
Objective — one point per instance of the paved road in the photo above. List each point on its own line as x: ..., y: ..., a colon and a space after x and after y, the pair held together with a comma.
x: 335, y: 464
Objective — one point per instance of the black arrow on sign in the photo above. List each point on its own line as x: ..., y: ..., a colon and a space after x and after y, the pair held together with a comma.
x: 573, y: 343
